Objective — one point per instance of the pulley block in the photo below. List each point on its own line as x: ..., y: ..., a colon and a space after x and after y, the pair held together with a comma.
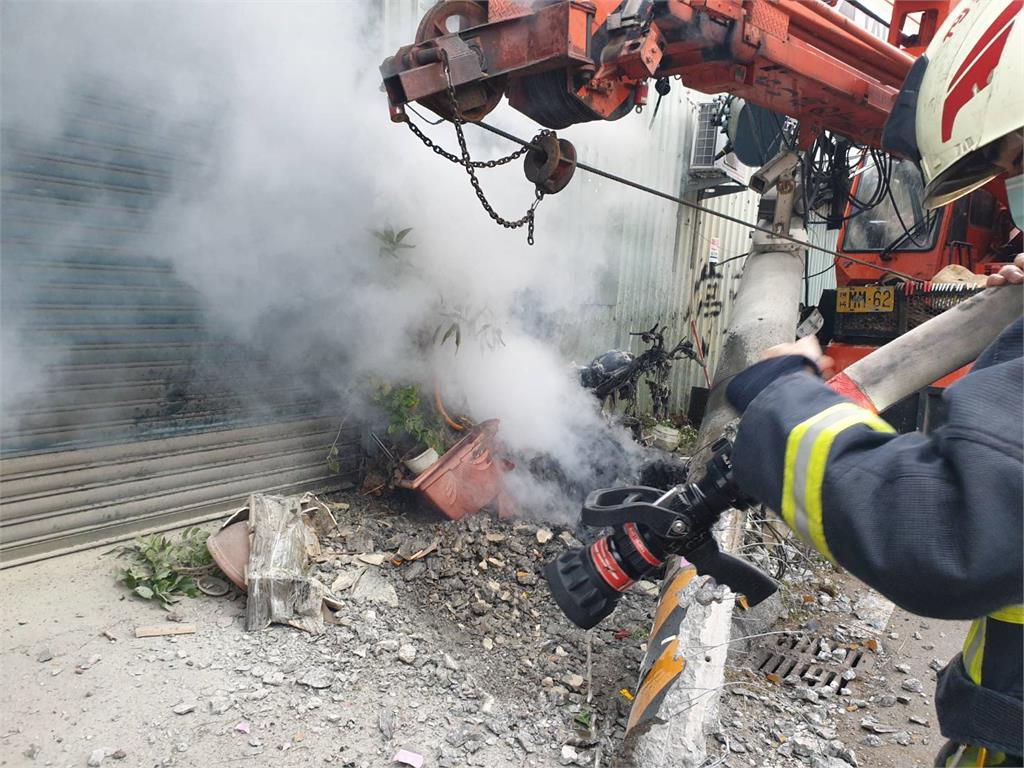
x: 550, y: 163
x: 475, y: 100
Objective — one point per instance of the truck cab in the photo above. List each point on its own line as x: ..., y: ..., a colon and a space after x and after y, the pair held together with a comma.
x: 869, y: 306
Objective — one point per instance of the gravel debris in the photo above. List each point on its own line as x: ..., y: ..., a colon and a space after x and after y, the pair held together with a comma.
x: 184, y: 708
x: 913, y: 685
x: 407, y: 653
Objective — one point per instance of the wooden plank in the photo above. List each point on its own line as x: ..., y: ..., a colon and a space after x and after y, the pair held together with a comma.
x: 163, y: 630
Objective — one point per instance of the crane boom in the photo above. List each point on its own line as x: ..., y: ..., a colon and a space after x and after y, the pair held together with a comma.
x: 563, y: 62
x: 571, y: 61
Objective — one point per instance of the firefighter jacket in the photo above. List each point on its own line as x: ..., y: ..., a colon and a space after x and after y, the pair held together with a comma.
x: 932, y: 521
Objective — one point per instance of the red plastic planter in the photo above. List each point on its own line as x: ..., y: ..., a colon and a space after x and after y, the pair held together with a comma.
x: 230, y: 549
x: 468, y: 477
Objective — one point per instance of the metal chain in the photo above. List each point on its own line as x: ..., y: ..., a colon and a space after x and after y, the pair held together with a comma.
x: 466, y: 162
x: 457, y: 160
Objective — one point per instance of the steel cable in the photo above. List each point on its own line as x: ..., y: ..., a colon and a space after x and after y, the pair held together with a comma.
x: 697, y: 207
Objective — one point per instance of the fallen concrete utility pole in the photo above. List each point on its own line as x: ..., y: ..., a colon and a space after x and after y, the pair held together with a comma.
x: 676, y: 698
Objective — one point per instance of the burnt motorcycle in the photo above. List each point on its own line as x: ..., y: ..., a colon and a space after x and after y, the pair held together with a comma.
x: 615, y: 376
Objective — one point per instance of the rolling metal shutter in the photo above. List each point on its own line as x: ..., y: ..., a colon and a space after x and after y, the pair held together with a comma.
x: 133, y: 412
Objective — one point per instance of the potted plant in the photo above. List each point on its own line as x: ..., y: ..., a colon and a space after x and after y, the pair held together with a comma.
x: 417, y: 430
x: 453, y: 462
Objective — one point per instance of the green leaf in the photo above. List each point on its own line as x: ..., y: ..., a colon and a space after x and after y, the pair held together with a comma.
x: 144, y: 592
x: 401, y: 235
x: 453, y: 328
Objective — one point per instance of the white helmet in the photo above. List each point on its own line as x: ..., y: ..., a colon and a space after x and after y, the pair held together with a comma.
x: 965, y: 96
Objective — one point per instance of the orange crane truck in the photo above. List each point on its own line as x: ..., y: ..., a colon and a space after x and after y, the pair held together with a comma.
x: 564, y: 62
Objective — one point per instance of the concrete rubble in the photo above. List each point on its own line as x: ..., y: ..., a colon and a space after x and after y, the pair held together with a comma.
x: 876, y: 713
x: 458, y: 656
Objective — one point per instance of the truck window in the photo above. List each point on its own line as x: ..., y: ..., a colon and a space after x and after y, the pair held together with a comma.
x: 880, y: 227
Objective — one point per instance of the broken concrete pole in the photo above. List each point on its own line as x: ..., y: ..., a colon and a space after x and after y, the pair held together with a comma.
x: 281, y: 589
x: 672, y: 734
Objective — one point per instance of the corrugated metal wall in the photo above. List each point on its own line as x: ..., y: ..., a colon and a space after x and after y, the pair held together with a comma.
x: 660, y: 251
x: 646, y: 275
x: 124, y: 407
x: 656, y: 253
x: 713, y: 286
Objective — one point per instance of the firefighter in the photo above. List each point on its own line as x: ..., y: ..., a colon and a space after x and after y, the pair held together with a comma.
x: 934, y: 522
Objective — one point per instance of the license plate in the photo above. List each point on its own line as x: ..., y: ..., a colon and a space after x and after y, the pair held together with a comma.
x: 867, y: 298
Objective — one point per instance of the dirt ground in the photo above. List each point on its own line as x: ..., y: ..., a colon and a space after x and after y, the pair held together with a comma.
x: 461, y: 657
x: 464, y: 659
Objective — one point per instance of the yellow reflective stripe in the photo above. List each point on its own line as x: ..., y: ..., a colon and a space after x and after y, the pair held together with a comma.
x: 807, y: 450
x: 974, y: 757
x: 969, y: 641
x: 1013, y: 614
x: 816, y: 478
x: 792, y: 449
x: 974, y: 649
x: 816, y: 472
x: 996, y: 758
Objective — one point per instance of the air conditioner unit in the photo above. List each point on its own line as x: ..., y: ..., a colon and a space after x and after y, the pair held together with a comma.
x: 735, y: 170
x: 708, y: 144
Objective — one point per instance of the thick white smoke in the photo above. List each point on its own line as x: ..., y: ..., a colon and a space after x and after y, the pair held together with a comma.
x: 297, y: 163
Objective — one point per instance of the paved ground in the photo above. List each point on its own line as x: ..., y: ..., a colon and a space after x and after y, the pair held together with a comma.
x: 56, y: 712
x: 918, y: 641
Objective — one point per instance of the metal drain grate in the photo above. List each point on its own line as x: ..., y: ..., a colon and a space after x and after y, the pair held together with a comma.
x: 797, y: 654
